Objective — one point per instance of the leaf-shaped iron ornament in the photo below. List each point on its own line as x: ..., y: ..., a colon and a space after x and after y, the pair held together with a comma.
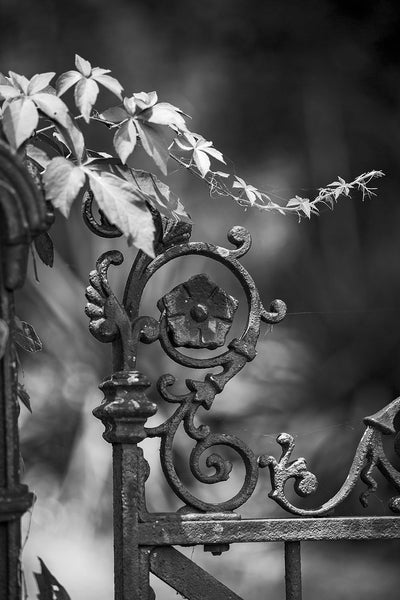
x: 370, y: 455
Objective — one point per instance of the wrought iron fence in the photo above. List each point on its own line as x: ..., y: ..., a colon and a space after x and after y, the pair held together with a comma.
x: 195, y: 315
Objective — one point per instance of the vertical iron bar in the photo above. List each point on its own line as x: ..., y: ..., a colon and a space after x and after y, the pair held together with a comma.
x: 293, y: 571
x: 23, y: 215
x: 131, y: 565
x: 124, y: 413
x: 10, y: 537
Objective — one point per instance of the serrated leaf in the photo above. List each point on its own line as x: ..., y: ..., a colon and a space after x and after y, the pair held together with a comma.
x: 115, y: 114
x: 110, y: 83
x: 39, y: 82
x: 155, y: 142
x: 144, y: 100
x: 94, y: 155
x: 165, y: 114
x: 24, y: 396
x: 125, y: 140
x: 49, y: 89
x: 54, y: 108
x: 25, y: 336
x: 38, y: 155
x: 4, y: 333
x: 86, y: 92
x: 124, y: 207
x: 83, y: 66
x: 99, y: 71
x: 45, y: 248
x: 48, y: 586
x: 19, y: 81
x: 159, y: 195
x: 7, y: 91
x: 202, y: 162
x: 66, y: 81
x: 305, y: 207
x: 62, y: 181
x: 215, y: 154
x: 20, y: 119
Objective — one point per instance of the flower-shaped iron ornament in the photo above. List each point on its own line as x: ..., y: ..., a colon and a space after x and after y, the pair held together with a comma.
x: 199, y: 313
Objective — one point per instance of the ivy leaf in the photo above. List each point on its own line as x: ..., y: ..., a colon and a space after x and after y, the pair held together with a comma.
x: 20, y: 81
x: 38, y: 155
x: 4, y: 333
x: 86, y: 92
x: 54, y: 108
x: 62, y: 181
x: 151, y: 189
x: 24, y: 396
x: 125, y: 140
x: 159, y: 195
x: 164, y: 113
x: 25, y: 336
x: 82, y: 76
x: 115, y: 114
x: 20, y: 119
x: 201, y: 151
x: 8, y: 91
x: 155, y: 142
x: 45, y: 248
x: 124, y: 207
x: 108, y: 82
x: 251, y: 192
x: 303, y: 205
x: 67, y: 80
x: 49, y: 587
x: 39, y: 82
x: 143, y: 100
x: 84, y: 67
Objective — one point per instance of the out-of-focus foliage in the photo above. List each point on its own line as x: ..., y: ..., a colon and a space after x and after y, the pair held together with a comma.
x: 296, y: 93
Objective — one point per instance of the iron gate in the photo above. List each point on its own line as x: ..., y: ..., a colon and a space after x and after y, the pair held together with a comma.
x: 197, y: 314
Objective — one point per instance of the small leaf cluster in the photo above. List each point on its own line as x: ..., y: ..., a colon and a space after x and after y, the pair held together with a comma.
x: 68, y: 169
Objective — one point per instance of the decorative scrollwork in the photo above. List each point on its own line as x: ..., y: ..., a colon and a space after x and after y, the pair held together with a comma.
x: 102, y: 228
x: 195, y: 314
x: 198, y: 314
x: 370, y: 455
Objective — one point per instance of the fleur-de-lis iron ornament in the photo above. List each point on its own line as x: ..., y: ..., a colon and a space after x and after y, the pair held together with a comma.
x: 198, y: 314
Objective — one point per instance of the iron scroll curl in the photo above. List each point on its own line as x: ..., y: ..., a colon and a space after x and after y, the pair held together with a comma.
x: 196, y: 314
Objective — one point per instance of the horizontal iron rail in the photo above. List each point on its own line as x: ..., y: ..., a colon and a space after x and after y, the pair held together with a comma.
x: 222, y: 531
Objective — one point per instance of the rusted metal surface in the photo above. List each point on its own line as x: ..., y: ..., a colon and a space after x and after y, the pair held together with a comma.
x: 293, y: 571
x: 370, y: 455
x: 198, y: 314
x: 186, y: 577
x: 182, y: 532
x: 124, y: 413
x: 205, y: 313
x: 23, y: 215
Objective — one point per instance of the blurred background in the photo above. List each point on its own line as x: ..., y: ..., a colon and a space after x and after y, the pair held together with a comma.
x: 294, y: 94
